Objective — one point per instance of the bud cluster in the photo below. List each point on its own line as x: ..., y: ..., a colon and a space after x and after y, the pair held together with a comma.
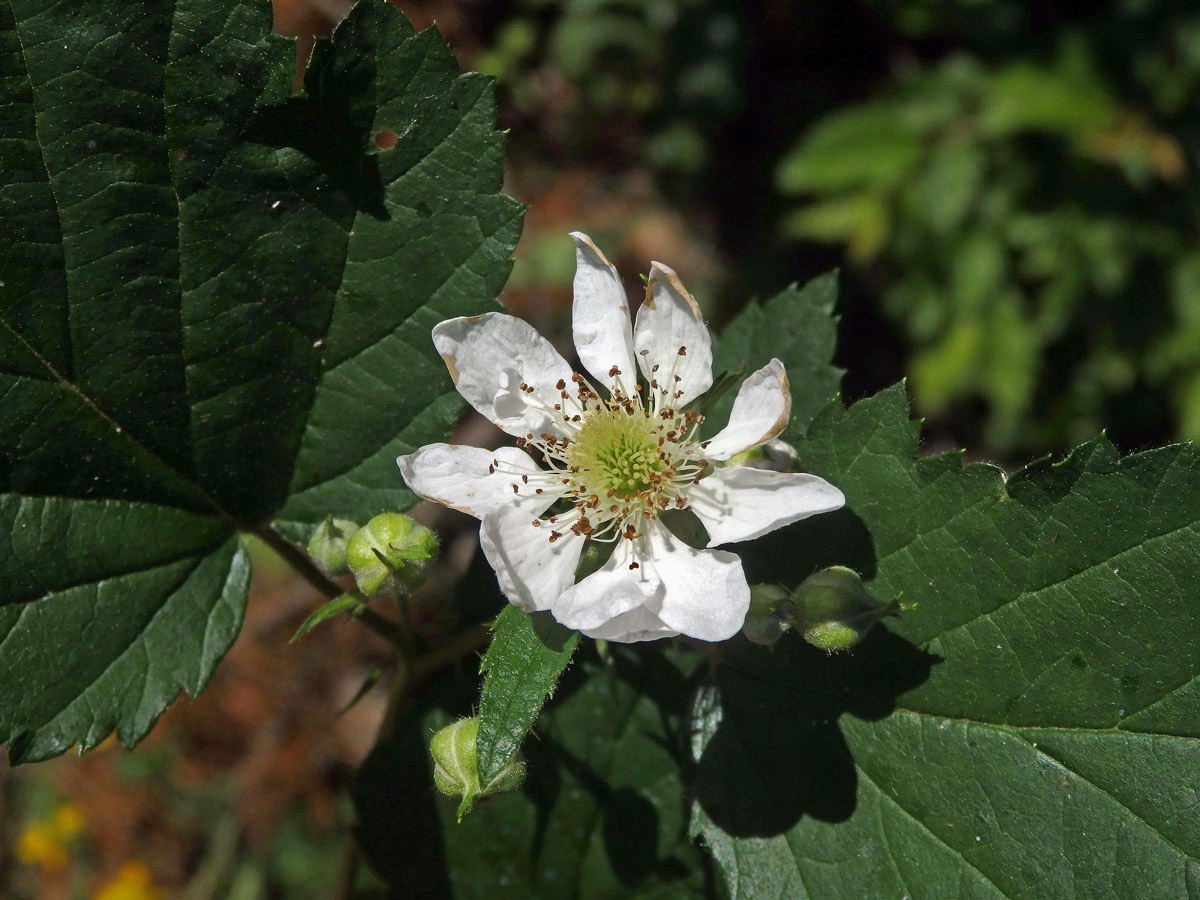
x: 830, y: 609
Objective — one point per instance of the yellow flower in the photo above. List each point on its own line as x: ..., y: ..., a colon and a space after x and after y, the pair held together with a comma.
x: 132, y: 881
x: 46, y: 843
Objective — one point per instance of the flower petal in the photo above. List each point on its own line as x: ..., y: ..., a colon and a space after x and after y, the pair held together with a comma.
x: 532, y: 571
x: 615, y: 603
x: 600, y: 321
x: 468, y: 479
x: 704, y: 593
x: 738, y: 503
x: 760, y: 411
x: 638, y: 624
x: 491, y: 356
x: 670, y: 333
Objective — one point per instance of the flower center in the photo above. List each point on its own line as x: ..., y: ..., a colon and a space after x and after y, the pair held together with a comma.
x: 616, y: 454
x: 618, y: 461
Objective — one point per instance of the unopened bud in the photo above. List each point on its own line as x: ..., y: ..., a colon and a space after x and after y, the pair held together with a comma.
x: 833, y: 611
x: 456, y: 770
x: 327, y: 547
x: 764, y: 625
x: 390, y: 548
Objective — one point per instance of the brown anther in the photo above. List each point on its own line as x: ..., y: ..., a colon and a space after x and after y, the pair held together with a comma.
x: 558, y: 406
x: 491, y: 470
x: 633, y: 565
x: 514, y: 487
x: 576, y: 377
x: 700, y: 419
x: 525, y: 479
x: 680, y: 503
x: 678, y: 379
x: 554, y: 536
x: 524, y: 386
x: 683, y: 351
x: 610, y: 493
x: 561, y: 384
x: 613, y: 371
x: 643, y: 352
x: 653, y: 368
x: 537, y: 523
x: 629, y: 533
x: 704, y: 444
x: 537, y: 490
x: 576, y: 418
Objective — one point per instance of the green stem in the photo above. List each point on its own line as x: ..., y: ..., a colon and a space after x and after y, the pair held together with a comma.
x: 297, y: 559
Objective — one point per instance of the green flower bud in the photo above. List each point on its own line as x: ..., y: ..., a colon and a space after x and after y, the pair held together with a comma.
x: 390, y: 550
x: 327, y: 547
x: 833, y: 611
x: 455, y: 769
x: 763, y: 623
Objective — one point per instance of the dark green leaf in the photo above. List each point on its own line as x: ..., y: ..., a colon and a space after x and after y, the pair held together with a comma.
x: 602, y: 813
x: 798, y: 327
x: 215, y: 304
x: 521, y: 668
x: 1027, y: 730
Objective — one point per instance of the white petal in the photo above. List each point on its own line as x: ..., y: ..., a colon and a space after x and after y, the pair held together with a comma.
x: 760, y: 411
x: 607, y: 592
x: 638, y: 624
x: 460, y: 477
x: 491, y: 356
x: 704, y: 593
x: 600, y: 319
x: 532, y: 571
x: 615, y: 603
x: 738, y: 503
x: 667, y: 321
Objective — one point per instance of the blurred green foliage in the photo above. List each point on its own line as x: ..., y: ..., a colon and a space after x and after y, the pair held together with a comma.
x: 1011, y: 186
x: 656, y: 76
x: 1031, y: 228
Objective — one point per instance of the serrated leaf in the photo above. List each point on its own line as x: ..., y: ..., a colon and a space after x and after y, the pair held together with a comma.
x: 601, y: 815
x: 215, y: 304
x: 1052, y: 750
x: 521, y: 667
x: 798, y: 327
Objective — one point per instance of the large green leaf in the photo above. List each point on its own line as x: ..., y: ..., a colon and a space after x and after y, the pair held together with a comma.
x: 1027, y: 730
x: 215, y: 303
x: 602, y: 813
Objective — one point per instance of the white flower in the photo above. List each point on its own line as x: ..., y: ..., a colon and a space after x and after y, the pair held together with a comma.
x: 616, y: 454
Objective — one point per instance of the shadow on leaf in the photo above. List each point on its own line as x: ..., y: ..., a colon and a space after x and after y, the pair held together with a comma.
x: 791, y: 554
x: 772, y: 749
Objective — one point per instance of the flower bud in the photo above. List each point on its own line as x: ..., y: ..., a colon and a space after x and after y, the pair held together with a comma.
x: 833, y: 611
x: 327, y: 547
x: 455, y: 768
x: 763, y: 623
x: 390, y: 550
